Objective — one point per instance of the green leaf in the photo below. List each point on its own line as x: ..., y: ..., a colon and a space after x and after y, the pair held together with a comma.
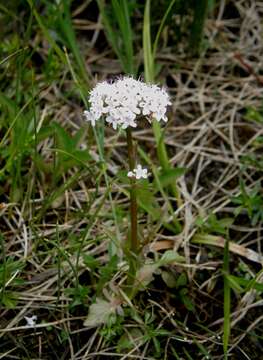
x: 254, y: 115
x: 169, y: 257
x: 65, y: 141
x: 182, y: 280
x: 81, y: 156
x: 107, y: 271
x: 147, y: 201
x: 64, y: 23
x: 233, y: 283
x: 247, y: 284
x: 167, y: 12
x: 129, y: 340
x: 168, y: 278
x: 212, y: 224
x: 9, y: 300
x: 90, y: 262
x: 44, y: 133
x: 119, y: 31
x: 147, y: 44
x: 187, y: 302
x: 78, y: 136
x: 169, y: 176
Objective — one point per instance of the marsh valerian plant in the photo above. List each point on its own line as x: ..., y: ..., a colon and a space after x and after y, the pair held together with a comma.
x: 123, y: 103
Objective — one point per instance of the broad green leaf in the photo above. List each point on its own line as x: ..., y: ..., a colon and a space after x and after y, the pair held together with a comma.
x: 187, y: 300
x: 182, y: 280
x: 168, y: 278
x: 147, y: 202
x: 169, y: 176
x: 169, y: 257
x: 64, y: 140
x: 44, y: 133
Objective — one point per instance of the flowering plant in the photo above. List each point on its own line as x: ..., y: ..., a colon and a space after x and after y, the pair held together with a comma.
x: 122, y: 103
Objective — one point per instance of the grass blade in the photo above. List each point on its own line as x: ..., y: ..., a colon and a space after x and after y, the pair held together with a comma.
x: 200, y: 11
x: 121, y: 39
x: 66, y: 27
x: 149, y: 71
x: 147, y: 48
x: 46, y: 33
x: 122, y: 15
x: 227, y: 299
x: 167, y: 12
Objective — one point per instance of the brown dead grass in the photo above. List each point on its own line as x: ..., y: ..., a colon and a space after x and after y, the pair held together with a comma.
x: 207, y: 134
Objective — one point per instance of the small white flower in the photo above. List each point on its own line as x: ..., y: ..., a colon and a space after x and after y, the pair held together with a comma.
x: 90, y: 116
x: 138, y: 173
x: 125, y: 100
x: 31, y: 321
x: 130, y: 174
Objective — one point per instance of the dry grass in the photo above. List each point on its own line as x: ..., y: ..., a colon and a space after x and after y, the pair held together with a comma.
x: 207, y: 134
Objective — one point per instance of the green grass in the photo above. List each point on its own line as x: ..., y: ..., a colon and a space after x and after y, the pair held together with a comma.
x: 117, y: 21
x: 64, y: 193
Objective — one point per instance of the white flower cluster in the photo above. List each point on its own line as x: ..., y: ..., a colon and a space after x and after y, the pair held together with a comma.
x: 138, y: 173
x: 124, y: 100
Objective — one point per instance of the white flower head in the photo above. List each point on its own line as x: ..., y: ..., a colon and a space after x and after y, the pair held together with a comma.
x: 31, y: 321
x: 122, y: 102
x: 138, y: 173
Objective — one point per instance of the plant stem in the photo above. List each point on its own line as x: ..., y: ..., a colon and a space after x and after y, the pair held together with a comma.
x: 134, y: 247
